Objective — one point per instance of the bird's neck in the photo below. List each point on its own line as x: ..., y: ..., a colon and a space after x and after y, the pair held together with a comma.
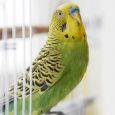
x: 76, y: 54
x: 53, y: 41
x: 69, y: 54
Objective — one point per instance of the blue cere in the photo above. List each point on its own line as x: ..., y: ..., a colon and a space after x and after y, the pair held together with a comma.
x: 73, y: 10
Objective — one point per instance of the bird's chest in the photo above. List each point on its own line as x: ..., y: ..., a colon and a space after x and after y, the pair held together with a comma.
x: 75, y: 65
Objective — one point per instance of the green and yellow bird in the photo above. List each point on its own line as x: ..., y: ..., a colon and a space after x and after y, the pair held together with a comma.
x: 60, y: 65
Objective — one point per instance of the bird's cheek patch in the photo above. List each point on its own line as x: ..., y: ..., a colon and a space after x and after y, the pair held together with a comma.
x: 63, y: 27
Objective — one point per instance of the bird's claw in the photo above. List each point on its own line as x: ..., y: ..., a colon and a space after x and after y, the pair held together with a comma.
x: 55, y: 113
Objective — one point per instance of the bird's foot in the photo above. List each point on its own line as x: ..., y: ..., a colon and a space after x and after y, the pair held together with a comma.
x: 55, y: 113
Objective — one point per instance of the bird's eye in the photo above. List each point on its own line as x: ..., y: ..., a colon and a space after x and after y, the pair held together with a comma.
x: 60, y: 13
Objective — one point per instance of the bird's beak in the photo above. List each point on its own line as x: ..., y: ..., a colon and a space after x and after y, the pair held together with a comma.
x: 74, y: 13
x: 77, y: 17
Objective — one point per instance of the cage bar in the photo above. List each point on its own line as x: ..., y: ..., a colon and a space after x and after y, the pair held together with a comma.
x: 14, y: 37
x: 24, y: 64
x: 30, y: 32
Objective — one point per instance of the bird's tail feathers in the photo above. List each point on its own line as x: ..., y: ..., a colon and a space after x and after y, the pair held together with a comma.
x: 4, y: 101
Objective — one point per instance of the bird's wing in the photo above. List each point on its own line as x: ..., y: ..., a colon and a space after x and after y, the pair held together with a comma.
x: 46, y: 70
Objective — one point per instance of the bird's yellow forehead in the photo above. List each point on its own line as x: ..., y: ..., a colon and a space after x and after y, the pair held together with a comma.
x: 66, y: 6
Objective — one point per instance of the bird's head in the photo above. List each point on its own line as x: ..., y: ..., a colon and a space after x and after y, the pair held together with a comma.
x: 67, y: 24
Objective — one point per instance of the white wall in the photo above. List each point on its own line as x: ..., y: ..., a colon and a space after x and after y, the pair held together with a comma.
x: 108, y: 73
x: 41, y: 11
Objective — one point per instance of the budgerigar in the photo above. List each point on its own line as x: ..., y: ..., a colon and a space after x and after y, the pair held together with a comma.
x: 60, y: 65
